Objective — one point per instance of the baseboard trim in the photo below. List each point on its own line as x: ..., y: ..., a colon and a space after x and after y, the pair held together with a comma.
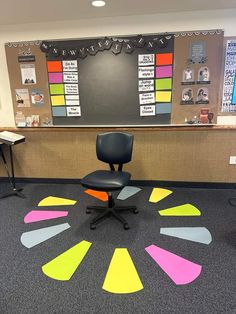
x: 152, y: 183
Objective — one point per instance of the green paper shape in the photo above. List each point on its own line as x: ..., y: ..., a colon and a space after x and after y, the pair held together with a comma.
x: 64, y: 265
x: 182, y: 210
x: 56, y: 89
x: 164, y: 84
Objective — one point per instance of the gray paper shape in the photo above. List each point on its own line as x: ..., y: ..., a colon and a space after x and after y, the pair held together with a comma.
x: 32, y: 238
x: 127, y: 191
x: 195, y: 234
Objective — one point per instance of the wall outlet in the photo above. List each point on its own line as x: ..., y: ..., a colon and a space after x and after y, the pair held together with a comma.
x: 232, y: 160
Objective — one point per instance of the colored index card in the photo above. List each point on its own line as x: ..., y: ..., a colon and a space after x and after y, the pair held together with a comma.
x: 163, y: 96
x: 122, y: 276
x: 164, y: 71
x: 56, y: 201
x: 54, y: 66
x: 64, y: 265
x: 163, y: 108
x: 55, y: 78
x: 182, y: 210
x: 56, y: 89
x: 179, y: 269
x: 164, y: 58
x: 58, y: 100
x: 158, y: 194
x: 162, y: 84
x: 59, y: 111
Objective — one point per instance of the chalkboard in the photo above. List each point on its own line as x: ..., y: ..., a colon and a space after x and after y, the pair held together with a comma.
x: 108, y: 82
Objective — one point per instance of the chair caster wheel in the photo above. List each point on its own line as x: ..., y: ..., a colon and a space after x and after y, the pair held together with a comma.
x: 126, y: 226
x: 92, y: 226
x: 135, y: 211
x: 88, y: 211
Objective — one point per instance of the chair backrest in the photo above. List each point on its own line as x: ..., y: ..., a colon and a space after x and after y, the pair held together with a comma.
x: 114, y: 147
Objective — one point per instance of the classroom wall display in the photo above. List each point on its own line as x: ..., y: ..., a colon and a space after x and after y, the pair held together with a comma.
x: 158, y: 79
x: 197, y: 77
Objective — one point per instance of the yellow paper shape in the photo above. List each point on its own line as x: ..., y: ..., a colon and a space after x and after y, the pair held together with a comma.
x: 58, y: 100
x: 162, y: 96
x: 182, y: 210
x: 158, y: 194
x: 63, y: 266
x: 56, y: 201
x: 122, y: 276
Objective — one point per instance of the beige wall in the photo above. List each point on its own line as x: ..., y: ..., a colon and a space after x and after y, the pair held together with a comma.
x: 168, y: 154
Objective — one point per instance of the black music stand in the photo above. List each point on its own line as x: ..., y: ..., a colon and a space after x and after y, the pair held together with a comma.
x: 10, y: 174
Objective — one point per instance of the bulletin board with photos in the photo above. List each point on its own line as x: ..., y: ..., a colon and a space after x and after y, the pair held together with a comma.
x: 160, y: 79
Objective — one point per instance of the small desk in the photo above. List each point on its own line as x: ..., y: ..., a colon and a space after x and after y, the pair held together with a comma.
x: 10, y: 174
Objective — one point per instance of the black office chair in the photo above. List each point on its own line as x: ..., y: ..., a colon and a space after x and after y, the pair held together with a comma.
x: 114, y: 148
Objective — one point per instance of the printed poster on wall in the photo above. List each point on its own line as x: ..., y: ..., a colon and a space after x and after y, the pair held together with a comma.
x: 228, y: 99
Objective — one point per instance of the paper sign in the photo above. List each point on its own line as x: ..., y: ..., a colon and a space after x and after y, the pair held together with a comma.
x: 147, y: 98
x: 71, y: 89
x: 70, y: 65
x: 148, y: 59
x: 28, y: 74
x: 147, y: 110
x: 22, y: 97
x: 145, y: 85
x: 72, y: 97
x: 37, y: 97
x: 146, y: 72
x: 72, y: 102
x: 73, y: 111
x: 163, y: 96
x: 70, y: 77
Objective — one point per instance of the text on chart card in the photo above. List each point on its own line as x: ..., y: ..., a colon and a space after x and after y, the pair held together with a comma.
x: 73, y: 111
x: 145, y: 85
x: 146, y: 72
x: 70, y: 77
x: 146, y: 59
x: 70, y: 65
x: 71, y: 89
x: 146, y: 98
x: 148, y: 110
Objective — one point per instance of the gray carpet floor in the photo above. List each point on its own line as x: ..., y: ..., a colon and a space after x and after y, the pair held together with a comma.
x: 25, y: 289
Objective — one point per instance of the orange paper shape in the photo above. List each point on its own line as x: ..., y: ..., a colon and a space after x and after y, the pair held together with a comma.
x: 54, y: 66
x: 102, y: 196
x: 164, y: 58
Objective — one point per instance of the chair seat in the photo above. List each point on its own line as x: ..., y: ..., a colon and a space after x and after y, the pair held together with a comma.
x: 106, y: 180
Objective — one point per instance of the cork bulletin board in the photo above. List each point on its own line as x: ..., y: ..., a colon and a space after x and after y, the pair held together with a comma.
x: 144, y: 80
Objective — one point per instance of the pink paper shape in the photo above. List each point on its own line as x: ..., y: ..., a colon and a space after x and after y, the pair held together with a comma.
x: 38, y: 215
x: 164, y: 71
x: 179, y: 269
x: 55, y: 78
